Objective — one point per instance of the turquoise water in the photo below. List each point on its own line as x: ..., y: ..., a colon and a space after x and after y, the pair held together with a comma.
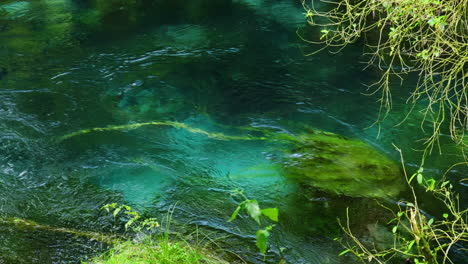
x: 227, y: 67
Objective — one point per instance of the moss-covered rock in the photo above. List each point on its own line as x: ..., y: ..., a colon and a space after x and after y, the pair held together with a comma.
x: 334, y: 163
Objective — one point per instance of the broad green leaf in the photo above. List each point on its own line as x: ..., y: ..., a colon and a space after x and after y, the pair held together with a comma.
x: 271, y: 213
x: 253, y: 210
x: 445, y: 215
x: 394, y: 229
x: 262, y: 239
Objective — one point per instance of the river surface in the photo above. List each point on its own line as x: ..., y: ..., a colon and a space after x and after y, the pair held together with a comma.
x: 228, y: 67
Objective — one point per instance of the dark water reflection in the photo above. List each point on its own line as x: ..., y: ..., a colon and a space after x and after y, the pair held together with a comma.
x: 70, y: 65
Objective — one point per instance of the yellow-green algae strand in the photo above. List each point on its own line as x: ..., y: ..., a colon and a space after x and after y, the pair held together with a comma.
x: 218, y: 136
x: 30, y: 225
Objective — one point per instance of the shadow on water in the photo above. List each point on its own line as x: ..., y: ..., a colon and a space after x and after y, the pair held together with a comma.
x: 72, y: 65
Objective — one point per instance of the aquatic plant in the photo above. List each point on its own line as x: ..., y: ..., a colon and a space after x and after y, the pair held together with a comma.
x: 417, y: 236
x: 218, y: 136
x: 336, y: 164
x: 325, y: 160
x: 426, y: 37
x: 25, y: 224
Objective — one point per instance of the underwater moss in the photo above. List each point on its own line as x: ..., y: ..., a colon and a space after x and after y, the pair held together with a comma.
x: 334, y: 163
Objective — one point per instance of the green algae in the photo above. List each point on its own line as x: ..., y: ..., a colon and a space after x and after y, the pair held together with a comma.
x: 334, y: 163
x: 30, y: 29
x: 324, y: 160
x: 31, y: 225
x: 218, y: 136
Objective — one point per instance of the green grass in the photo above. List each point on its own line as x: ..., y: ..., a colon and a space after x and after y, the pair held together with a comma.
x: 156, y: 251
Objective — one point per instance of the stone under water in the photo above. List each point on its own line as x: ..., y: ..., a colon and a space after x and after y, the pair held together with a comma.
x: 334, y: 163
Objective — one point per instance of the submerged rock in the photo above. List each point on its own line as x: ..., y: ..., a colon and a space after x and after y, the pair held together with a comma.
x: 334, y: 163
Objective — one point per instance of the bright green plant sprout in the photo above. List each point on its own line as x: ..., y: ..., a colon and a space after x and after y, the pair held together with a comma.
x: 255, y: 212
x: 135, y: 218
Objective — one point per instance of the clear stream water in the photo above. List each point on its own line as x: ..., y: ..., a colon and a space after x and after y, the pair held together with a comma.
x: 71, y: 65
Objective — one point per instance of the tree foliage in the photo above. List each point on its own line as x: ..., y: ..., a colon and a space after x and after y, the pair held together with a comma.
x: 426, y: 37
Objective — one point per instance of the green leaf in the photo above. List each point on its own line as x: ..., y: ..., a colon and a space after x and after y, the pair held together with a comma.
x: 117, y: 211
x: 262, y: 239
x: 271, y: 213
x: 132, y: 213
x: 425, y: 55
x: 429, y: 223
x: 444, y: 183
x: 107, y: 206
x: 236, y: 212
x: 410, y: 245
x: 309, y: 14
x: 324, y: 33
x: 410, y: 204
x: 129, y: 223
x: 420, y: 178
x: 344, y: 252
x: 445, y: 215
x: 400, y: 214
x: 432, y: 184
x: 394, y: 229
x: 253, y: 210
